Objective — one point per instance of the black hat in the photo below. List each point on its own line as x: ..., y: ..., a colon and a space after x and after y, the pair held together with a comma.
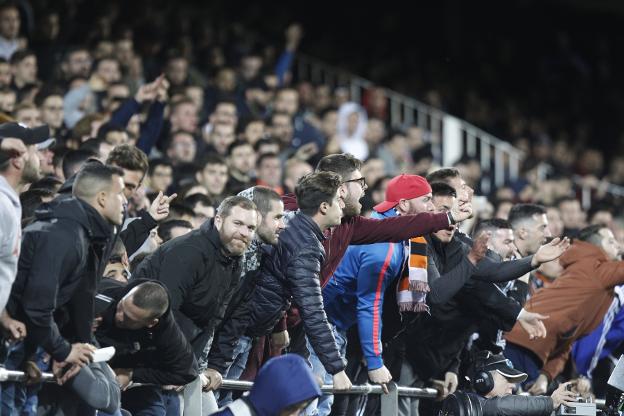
x: 39, y: 136
x: 500, y: 364
x: 29, y: 136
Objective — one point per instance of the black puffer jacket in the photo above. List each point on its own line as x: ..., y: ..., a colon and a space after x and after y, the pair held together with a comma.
x: 200, y: 278
x: 63, y: 252
x: 291, y: 271
x: 159, y: 355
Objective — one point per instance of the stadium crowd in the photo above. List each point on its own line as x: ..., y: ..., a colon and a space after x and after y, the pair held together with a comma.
x: 190, y: 203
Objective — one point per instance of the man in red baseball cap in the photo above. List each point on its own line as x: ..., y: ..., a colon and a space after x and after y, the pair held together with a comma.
x: 371, y: 269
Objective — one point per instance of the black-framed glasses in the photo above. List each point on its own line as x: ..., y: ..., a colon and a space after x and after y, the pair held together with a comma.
x: 361, y: 181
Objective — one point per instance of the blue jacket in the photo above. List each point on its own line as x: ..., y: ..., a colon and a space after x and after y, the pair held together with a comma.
x: 282, y: 382
x: 355, y: 292
x: 609, y: 335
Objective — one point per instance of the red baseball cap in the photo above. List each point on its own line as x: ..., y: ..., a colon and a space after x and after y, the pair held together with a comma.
x: 403, y: 187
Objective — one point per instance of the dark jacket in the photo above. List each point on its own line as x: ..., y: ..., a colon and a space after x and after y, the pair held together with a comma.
x: 514, y: 405
x: 433, y: 342
x: 200, y: 278
x: 158, y: 355
x: 290, y: 272
x: 63, y: 253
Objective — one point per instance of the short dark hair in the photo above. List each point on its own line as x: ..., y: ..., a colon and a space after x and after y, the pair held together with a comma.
x: 47, y: 183
x: 491, y: 225
x: 225, y: 208
x: 129, y: 157
x: 314, y: 189
x: 154, y: 163
x: 106, y: 128
x: 443, y: 175
x: 442, y: 189
x: 522, y: 212
x: 263, y: 196
x: 591, y: 234
x: 31, y: 200
x: 211, y: 158
x: 151, y: 296
x: 92, y: 144
x: 264, y: 157
x: 198, y: 198
x: 235, y: 144
x: 93, y: 177
x: 179, y: 209
x: 46, y: 92
x: 119, y: 248
x: 344, y: 164
x: 266, y: 141
x: 164, y: 229
x: 74, y: 159
x: 19, y: 55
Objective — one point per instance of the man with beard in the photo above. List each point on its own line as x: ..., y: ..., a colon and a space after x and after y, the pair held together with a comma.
x: 202, y: 270
x: 18, y: 166
x: 230, y: 350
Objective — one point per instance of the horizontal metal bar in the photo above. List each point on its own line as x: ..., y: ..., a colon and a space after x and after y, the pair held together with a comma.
x: 361, y: 389
x: 20, y: 376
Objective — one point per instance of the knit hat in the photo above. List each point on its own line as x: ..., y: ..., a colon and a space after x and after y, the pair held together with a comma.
x: 403, y: 187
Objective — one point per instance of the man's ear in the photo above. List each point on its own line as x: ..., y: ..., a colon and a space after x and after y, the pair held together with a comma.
x: 323, y: 208
x: 153, y: 323
x: 218, y: 221
x: 522, y: 233
x: 100, y: 198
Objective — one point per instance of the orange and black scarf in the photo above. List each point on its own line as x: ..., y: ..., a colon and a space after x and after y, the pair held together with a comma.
x: 413, y: 287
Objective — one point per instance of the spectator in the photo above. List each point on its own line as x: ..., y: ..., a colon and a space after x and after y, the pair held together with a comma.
x: 294, y: 170
x: 352, y: 121
x: 181, y: 148
x: 213, y: 175
x: 76, y: 63
x: 233, y: 341
x: 202, y: 269
x: 183, y: 116
x: 284, y: 386
x: 171, y: 229
x: 220, y: 138
x: 576, y: 304
x: 160, y: 175
x: 112, y: 134
x: 241, y: 162
x: 202, y: 206
x: 493, y: 380
x: 75, y: 232
x: 501, y: 239
x: 268, y: 145
x: 293, y: 267
x: 24, y: 69
x: 572, y: 215
x: 50, y: 105
x: 75, y: 159
x: 269, y: 172
x: 151, y: 348
x: 8, y: 98
x: 18, y: 167
x: 9, y: 30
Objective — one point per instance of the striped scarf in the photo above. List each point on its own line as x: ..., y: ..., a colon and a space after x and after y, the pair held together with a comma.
x: 413, y: 287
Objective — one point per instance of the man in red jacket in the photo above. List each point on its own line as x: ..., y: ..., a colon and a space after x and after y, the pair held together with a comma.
x: 576, y: 303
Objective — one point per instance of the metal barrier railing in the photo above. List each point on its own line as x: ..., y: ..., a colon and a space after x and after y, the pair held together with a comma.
x: 450, y: 137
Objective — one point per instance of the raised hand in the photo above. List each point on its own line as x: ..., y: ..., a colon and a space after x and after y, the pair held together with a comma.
x: 479, y: 248
x: 532, y: 323
x: 551, y: 251
x: 159, y: 210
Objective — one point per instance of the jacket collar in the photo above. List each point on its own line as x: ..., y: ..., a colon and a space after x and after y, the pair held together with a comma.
x: 309, y: 223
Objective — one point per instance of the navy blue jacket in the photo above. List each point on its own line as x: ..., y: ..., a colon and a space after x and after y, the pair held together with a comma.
x: 290, y: 272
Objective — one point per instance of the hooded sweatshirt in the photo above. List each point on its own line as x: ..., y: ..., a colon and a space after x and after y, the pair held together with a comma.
x: 576, y: 303
x: 282, y: 382
x: 10, y: 217
x: 63, y: 253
